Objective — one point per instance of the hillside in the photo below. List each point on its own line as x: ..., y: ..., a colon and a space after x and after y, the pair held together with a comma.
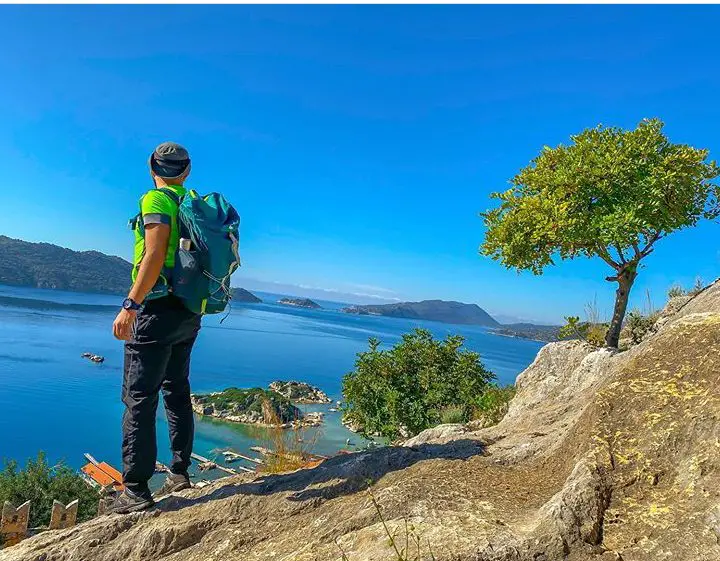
x: 546, y: 333
x: 434, y: 310
x: 242, y: 295
x: 44, y: 265
x: 602, y: 456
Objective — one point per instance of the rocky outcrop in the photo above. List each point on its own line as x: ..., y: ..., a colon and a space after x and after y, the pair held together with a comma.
x: 602, y: 456
x: 300, y: 392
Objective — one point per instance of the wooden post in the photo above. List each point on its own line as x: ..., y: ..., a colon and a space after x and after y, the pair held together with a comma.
x: 62, y: 516
x: 14, y: 523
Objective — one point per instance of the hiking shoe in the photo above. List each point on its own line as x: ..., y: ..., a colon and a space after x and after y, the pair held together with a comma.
x: 126, y: 502
x: 174, y: 482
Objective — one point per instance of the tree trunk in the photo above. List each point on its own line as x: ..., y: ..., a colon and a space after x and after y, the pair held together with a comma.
x: 625, y: 281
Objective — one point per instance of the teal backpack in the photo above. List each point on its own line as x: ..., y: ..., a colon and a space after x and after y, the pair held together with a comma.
x: 201, y: 276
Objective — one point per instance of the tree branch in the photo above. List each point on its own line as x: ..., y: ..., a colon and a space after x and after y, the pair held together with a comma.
x: 620, y: 254
x: 605, y: 255
x: 648, y: 249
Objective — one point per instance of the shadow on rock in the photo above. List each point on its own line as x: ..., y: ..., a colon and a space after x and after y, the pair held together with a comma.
x: 337, y: 476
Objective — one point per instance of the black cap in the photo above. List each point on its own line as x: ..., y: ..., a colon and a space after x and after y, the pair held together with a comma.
x: 169, y: 160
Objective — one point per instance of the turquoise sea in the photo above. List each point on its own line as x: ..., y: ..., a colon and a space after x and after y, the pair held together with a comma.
x: 51, y: 399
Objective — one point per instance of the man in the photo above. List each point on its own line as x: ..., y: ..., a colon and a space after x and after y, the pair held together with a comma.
x: 159, y: 333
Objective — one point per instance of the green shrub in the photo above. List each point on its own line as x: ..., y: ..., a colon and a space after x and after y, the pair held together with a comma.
x: 675, y: 291
x: 404, y: 390
x: 593, y: 333
x: 41, y: 483
x: 637, y: 325
x: 493, y: 404
x: 697, y: 287
x: 453, y: 414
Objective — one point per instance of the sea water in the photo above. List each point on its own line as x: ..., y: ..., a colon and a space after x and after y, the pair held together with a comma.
x: 53, y: 400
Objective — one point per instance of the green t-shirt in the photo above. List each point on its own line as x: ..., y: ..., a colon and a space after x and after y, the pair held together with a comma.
x: 157, y: 207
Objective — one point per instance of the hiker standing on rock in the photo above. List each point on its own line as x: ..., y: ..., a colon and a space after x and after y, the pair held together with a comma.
x: 159, y: 332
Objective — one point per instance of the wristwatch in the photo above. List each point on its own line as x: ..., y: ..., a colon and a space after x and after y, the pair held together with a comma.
x: 130, y: 304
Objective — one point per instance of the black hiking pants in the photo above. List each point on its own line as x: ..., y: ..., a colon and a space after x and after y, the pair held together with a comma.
x: 157, y: 358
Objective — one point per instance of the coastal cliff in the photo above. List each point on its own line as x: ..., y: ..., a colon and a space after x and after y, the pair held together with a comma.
x: 602, y: 456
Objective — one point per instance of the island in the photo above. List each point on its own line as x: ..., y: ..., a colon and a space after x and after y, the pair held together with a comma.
x: 254, y: 406
x: 242, y: 295
x: 300, y: 392
x: 299, y: 303
x: 433, y: 310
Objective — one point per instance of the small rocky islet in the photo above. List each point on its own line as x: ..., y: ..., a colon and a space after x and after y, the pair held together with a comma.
x: 300, y: 303
x: 272, y: 407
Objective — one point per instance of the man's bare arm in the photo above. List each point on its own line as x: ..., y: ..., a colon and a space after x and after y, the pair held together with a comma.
x: 156, y: 243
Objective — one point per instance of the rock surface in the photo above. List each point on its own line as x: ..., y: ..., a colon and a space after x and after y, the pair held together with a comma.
x: 602, y: 456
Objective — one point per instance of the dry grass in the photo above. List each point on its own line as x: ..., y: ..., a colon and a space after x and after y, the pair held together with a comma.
x: 288, y: 448
x: 406, y: 548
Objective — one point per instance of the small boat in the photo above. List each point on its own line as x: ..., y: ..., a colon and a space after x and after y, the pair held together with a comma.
x: 93, y: 358
x: 332, y: 410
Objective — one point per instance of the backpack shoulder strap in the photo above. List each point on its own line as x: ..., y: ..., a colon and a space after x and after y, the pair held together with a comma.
x: 174, y: 197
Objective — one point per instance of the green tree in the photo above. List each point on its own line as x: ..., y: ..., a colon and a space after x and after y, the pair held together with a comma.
x: 409, y: 387
x: 41, y: 483
x: 611, y: 193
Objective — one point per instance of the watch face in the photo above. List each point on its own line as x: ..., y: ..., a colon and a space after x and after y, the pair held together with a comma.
x: 128, y: 304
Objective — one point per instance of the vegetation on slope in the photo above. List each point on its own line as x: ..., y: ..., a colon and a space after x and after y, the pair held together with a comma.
x: 41, y: 483
x: 414, y: 385
x: 44, y: 265
x: 250, y: 402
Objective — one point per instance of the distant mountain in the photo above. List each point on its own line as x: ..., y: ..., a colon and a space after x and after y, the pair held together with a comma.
x: 434, y: 310
x: 242, y: 295
x: 44, y: 265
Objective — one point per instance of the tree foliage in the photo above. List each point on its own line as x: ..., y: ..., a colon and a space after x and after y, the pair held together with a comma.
x: 610, y: 193
x: 408, y: 388
x: 41, y: 483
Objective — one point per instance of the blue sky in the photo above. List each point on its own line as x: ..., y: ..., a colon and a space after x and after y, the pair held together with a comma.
x: 359, y: 143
